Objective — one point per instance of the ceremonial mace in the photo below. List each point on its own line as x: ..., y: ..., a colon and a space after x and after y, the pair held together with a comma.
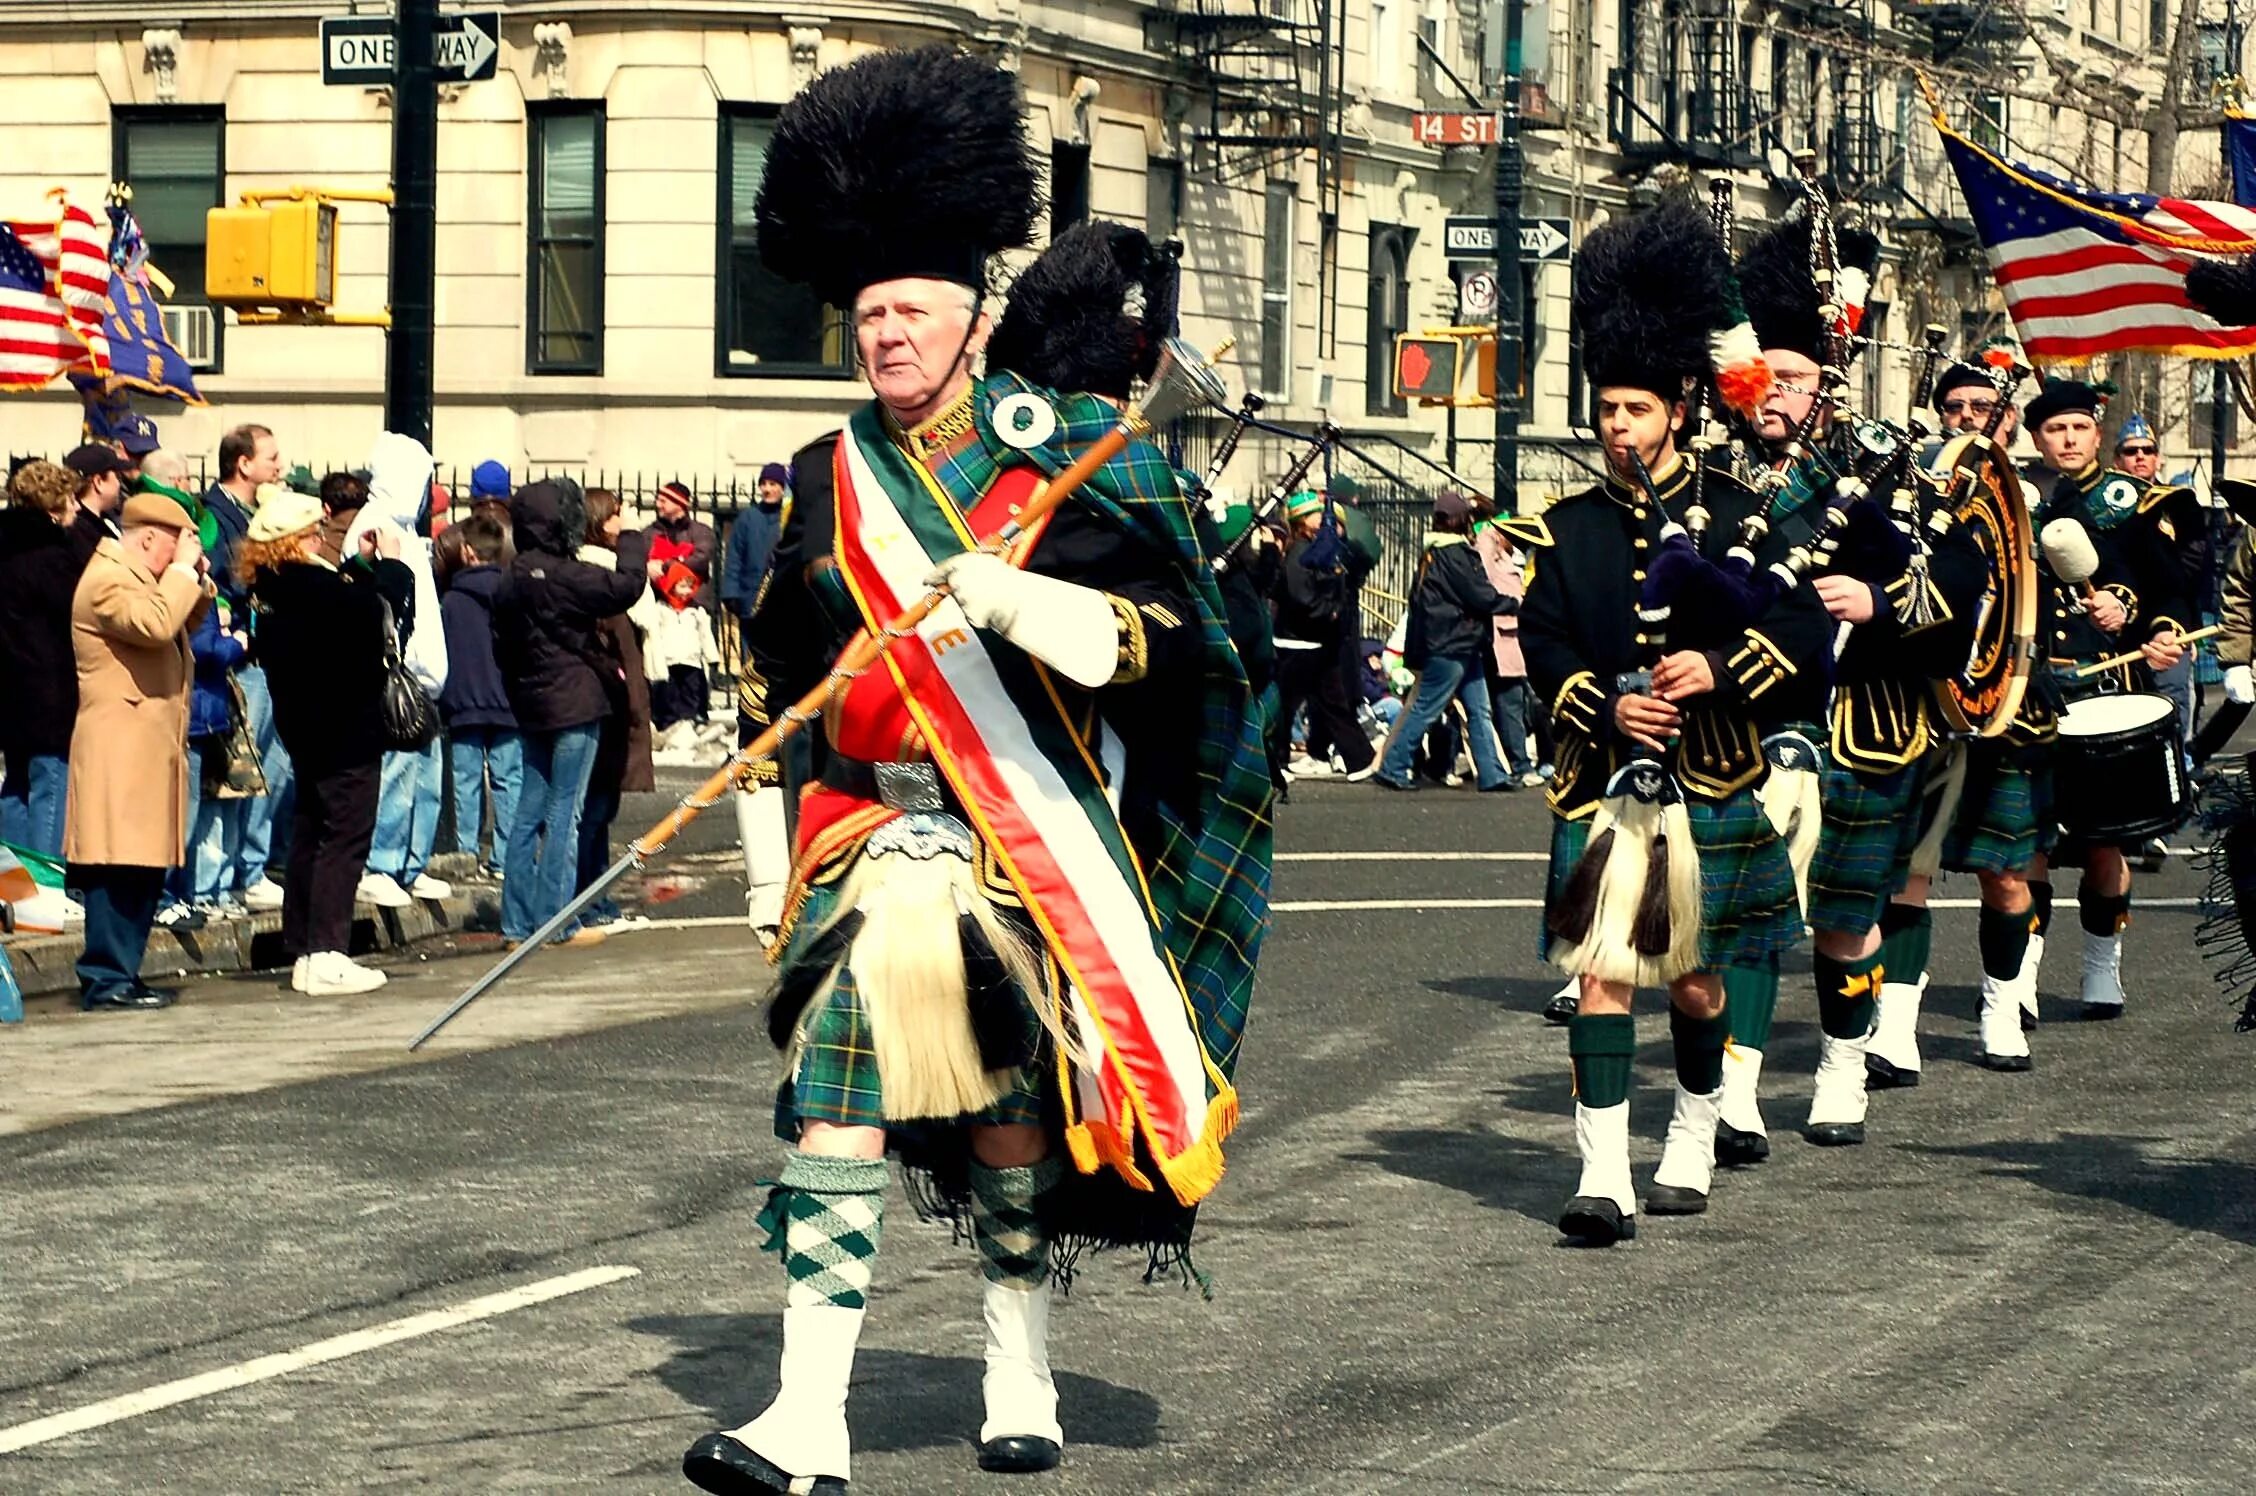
x: 1182, y: 381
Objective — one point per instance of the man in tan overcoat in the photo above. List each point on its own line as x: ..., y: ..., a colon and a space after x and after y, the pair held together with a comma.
x: 126, y: 821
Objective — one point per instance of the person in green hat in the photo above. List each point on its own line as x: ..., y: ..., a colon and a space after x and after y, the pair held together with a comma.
x: 1313, y: 618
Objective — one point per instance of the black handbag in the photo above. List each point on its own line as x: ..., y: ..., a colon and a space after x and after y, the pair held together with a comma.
x: 411, y: 720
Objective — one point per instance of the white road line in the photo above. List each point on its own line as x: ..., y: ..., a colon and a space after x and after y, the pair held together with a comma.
x: 1413, y: 857
x: 1323, y: 906
x: 336, y: 1348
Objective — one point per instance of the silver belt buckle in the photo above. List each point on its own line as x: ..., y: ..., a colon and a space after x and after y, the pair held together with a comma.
x: 908, y: 786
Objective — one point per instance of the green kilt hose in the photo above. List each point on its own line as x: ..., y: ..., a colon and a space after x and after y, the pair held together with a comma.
x: 1749, y: 910
x: 1870, y: 826
x: 836, y: 1080
x: 2005, y: 815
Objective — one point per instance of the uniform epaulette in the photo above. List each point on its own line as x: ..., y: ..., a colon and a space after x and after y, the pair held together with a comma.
x: 1527, y: 529
x: 2162, y: 493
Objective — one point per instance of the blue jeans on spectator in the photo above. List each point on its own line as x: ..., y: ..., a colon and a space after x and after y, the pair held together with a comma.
x: 543, y: 870
x: 407, y: 812
x: 1439, y: 683
x: 121, y: 905
x: 196, y: 881
x: 240, y: 843
x: 1510, y: 695
x: 595, y: 850
x: 32, y: 800
x: 485, y: 760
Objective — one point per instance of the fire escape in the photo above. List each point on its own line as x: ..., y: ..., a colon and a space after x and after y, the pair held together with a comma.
x: 1260, y: 75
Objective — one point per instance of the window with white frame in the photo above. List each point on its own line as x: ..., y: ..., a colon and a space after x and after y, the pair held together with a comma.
x: 1276, y: 291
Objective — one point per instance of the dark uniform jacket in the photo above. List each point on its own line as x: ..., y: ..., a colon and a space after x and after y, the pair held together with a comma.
x: 1579, y: 630
x: 2137, y: 562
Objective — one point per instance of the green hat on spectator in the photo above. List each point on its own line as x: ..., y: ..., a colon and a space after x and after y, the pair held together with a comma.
x: 1308, y: 501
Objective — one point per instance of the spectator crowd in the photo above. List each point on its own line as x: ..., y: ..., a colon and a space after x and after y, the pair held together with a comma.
x: 270, y: 695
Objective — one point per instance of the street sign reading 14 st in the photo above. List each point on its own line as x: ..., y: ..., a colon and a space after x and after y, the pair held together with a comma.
x: 359, y: 49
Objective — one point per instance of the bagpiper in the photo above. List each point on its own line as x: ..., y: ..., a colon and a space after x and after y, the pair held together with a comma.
x: 1032, y: 864
x: 1902, y: 608
x: 1664, y: 868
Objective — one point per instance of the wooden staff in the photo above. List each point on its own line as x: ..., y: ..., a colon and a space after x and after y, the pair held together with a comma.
x: 1182, y: 380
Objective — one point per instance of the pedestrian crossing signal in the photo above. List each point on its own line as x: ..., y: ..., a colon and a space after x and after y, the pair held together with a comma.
x: 1432, y: 368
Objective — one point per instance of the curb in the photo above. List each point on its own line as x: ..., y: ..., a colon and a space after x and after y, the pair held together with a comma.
x: 47, y: 964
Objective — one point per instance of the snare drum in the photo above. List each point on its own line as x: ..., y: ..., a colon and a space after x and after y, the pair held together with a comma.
x: 2118, y: 775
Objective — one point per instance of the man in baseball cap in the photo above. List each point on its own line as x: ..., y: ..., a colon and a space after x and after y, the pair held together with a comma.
x: 101, y: 475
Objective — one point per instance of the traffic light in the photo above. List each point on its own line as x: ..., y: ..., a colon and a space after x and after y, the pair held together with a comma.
x: 274, y: 258
x: 281, y: 255
x: 1431, y: 368
x: 1425, y: 368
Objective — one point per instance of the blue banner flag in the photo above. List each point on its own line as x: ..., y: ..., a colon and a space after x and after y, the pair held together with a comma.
x: 2240, y: 154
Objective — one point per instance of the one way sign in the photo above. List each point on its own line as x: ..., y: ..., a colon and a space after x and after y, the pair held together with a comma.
x: 359, y: 49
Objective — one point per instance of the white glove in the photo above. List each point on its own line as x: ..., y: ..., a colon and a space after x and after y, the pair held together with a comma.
x: 2240, y: 686
x: 1066, y: 626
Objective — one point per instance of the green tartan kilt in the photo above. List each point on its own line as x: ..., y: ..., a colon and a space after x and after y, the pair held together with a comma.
x: 836, y: 1079
x: 1749, y: 910
x: 1864, y: 846
x: 2005, y: 816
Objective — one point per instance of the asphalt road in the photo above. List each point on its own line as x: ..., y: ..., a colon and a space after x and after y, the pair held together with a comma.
x: 2034, y: 1282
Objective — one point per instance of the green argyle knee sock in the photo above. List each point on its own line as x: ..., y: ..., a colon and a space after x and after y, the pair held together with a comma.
x: 1013, y: 1245
x: 1601, y: 1046
x: 1699, y: 1048
x: 1750, y: 1000
x: 2040, y: 907
x: 1848, y: 994
x: 2004, y: 940
x: 1907, y: 940
x: 824, y: 1217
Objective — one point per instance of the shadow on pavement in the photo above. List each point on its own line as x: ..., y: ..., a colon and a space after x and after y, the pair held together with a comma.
x: 1522, y: 994
x: 902, y: 1400
x: 1499, y: 1172
x: 2213, y: 1195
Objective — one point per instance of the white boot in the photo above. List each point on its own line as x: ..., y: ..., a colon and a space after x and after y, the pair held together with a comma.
x: 1891, y: 1058
x: 1020, y: 1396
x: 298, y: 974
x: 1837, y: 1104
x: 335, y: 974
x: 767, y: 856
x: 1687, y: 1171
x: 2025, y: 985
x: 1604, y: 1207
x: 803, y: 1432
x: 1741, y: 1137
x: 2004, y: 1045
x: 2103, y: 975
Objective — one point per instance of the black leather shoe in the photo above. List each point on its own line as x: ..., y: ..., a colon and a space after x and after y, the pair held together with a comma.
x: 1561, y: 1009
x: 1736, y: 1149
x: 134, y: 999
x: 722, y: 1464
x: 2007, y: 1062
x: 1407, y: 786
x: 1835, y: 1134
x: 1593, y: 1221
x: 1884, y: 1075
x: 1674, y: 1200
x: 2099, y: 1012
x: 1019, y: 1454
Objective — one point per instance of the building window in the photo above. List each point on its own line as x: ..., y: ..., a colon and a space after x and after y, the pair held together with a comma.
x: 1276, y: 291
x: 1386, y: 316
x: 1163, y: 199
x: 1069, y: 185
x: 765, y: 324
x: 175, y: 159
x: 1386, y: 46
x: 564, y: 242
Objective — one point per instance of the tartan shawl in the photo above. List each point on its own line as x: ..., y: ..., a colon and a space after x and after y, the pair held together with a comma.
x: 1209, y: 873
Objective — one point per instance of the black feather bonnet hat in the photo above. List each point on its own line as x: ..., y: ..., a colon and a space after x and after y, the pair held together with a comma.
x: 1091, y: 313
x: 1647, y: 292
x: 1782, y: 300
x: 898, y: 164
x: 2224, y: 289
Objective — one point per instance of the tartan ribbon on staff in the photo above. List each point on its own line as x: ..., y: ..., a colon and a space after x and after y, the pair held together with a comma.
x: 2086, y: 272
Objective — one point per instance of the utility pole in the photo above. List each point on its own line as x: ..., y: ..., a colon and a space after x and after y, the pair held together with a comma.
x: 1508, y: 281
x: 415, y: 172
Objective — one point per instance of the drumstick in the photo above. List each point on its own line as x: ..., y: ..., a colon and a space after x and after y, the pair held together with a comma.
x: 2136, y: 655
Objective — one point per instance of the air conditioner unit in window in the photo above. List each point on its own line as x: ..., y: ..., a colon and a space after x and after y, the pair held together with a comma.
x: 191, y: 330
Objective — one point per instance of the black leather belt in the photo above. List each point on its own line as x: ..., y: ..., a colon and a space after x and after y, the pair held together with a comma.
x: 898, y: 786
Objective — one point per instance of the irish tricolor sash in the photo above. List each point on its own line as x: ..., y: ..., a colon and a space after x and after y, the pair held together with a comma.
x: 998, y: 730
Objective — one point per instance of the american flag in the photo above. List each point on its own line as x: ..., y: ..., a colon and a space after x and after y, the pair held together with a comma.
x: 54, y: 295
x: 2086, y: 272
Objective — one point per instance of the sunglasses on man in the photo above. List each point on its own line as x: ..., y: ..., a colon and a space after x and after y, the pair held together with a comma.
x: 2136, y: 451
x: 1968, y: 407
